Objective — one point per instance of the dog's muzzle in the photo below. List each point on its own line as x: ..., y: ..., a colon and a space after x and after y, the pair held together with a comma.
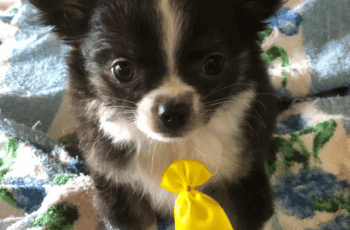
x: 172, y: 117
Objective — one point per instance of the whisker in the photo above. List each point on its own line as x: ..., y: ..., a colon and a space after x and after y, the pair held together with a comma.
x: 218, y: 165
x: 150, y: 140
x: 211, y: 93
x: 124, y: 107
x: 262, y: 121
x: 154, y: 153
x: 247, y: 123
x: 119, y: 99
x: 218, y: 103
x: 79, y: 145
x: 183, y: 143
x: 218, y: 100
x: 252, y: 87
x: 230, y: 100
x: 257, y: 119
x: 105, y: 155
x: 127, y: 112
x: 261, y: 104
x: 198, y: 151
x: 63, y: 130
x: 172, y: 145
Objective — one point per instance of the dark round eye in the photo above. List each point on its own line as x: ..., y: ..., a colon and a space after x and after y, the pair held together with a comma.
x: 123, y: 70
x: 214, y: 64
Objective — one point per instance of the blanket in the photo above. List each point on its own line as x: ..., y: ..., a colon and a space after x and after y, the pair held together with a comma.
x: 43, y: 181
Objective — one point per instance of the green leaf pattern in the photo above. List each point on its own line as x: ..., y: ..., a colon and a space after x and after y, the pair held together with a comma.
x: 322, y: 134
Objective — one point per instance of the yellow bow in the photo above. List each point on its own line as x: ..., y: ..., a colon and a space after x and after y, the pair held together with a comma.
x: 193, y: 209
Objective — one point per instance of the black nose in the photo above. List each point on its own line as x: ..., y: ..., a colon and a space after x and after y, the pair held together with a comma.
x: 173, y: 116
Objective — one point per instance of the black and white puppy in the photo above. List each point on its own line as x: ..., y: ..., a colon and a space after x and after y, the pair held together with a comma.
x: 152, y: 81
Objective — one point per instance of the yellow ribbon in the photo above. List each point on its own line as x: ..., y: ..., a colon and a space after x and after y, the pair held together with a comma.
x: 193, y: 209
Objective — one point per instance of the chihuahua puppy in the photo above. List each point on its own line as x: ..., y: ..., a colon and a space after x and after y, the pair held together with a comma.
x: 152, y: 81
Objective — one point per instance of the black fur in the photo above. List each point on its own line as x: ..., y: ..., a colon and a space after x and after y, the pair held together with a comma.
x: 100, y: 30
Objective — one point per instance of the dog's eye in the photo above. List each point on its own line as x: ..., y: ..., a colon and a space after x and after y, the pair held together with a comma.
x: 214, y: 64
x: 123, y: 70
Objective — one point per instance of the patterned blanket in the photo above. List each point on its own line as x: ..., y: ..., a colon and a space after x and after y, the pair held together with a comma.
x: 43, y: 182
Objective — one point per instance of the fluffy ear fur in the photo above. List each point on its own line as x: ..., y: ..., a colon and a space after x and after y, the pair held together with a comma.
x: 260, y: 10
x: 68, y: 17
x: 255, y: 12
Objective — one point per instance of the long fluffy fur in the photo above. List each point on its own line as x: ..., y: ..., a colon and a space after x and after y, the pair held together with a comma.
x: 231, y: 118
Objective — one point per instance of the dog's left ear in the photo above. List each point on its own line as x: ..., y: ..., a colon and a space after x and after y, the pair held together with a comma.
x: 254, y: 12
x: 68, y: 17
x: 261, y: 9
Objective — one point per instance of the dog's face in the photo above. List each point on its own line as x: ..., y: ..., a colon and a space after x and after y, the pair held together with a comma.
x: 166, y: 65
x: 163, y: 65
x: 161, y: 61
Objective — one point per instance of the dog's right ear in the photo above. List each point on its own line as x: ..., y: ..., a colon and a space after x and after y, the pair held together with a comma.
x: 68, y: 17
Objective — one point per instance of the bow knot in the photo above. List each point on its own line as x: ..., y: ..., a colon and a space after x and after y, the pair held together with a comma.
x: 193, y: 209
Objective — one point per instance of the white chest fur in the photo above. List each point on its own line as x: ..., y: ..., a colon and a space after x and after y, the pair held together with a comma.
x: 218, y: 145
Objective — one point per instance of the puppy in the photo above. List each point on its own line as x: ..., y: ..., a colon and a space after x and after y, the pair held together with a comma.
x: 152, y: 81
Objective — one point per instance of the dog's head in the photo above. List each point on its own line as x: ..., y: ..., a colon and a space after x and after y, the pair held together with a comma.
x: 163, y: 65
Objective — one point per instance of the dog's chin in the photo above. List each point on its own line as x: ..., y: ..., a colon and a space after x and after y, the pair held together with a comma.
x: 162, y: 138
x: 178, y: 137
x: 165, y: 137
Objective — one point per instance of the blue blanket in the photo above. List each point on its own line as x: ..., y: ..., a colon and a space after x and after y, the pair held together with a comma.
x: 43, y: 183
